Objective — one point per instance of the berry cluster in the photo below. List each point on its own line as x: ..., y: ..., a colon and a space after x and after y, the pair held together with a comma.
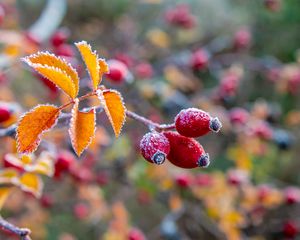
x: 180, y: 147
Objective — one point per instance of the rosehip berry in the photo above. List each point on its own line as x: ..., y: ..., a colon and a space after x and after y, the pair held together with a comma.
x: 203, y: 180
x: 118, y: 71
x: 60, y: 37
x: 81, y: 210
x: 193, y: 122
x: 136, y: 234
x: 47, y: 201
x: 237, y: 177
x: 9, y: 162
x: 186, y: 152
x: 238, y: 116
x: 65, y: 50
x: 183, y: 180
x: 63, y: 162
x: 273, y: 5
x: 2, y: 14
x: 290, y: 229
x: 292, y: 195
x: 154, y: 147
x: 199, y: 60
x: 144, y: 70
x: 242, y: 38
x: 4, y: 114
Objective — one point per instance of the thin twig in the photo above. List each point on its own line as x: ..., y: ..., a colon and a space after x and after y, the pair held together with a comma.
x: 22, y: 232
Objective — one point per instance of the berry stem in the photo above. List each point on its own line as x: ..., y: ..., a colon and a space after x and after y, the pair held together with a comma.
x: 22, y: 232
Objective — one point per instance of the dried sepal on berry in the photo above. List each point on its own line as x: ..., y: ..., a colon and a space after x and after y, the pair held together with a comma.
x: 154, y: 147
x: 82, y: 128
x: 55, y: 69
x: 33, y: 124
x: 91, y: 60
x: 186, y: 152
x: 114, y: 107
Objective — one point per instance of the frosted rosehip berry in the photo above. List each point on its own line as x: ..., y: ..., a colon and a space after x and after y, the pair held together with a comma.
x: 154, y: 147
x: 4, y: 114
x: 199, y: 59
x: 186, y: 152
x: 193, y: 122
x: 118, y: 71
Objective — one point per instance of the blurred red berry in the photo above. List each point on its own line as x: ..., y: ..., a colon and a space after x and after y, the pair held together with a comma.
x: 154, y: 147
x: 32, y: 38
x: 181, y: 16
x: 199, y: 60
x: 63, y: 162
x: 102, y: 178
x: 47, y: 201
x: 81, y: 174
x: 229, y: 85
x: 242, y: 38
x: 81, y: 210
x: 203, y: 179
x: 183, y: 180
x: 193, y: 122
x: 60, y: 37
x: 263, y: 130
x: 237, y: 177
x: 125, y: 58
x: 292, y: 195
x: 186, y: 152
x: 238, y: 116
x: 8, y: 162
x: 5, y: 114
x: 263, y: 192
x: 65, y: 50
x: 118, y: 71
x: 136, y: 234
x: 2, y: 14
x: 290, y: 229
x: 273, y: 5
x: 144, y: 70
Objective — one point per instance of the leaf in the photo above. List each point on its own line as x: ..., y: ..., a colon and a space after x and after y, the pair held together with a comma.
x: 91, y: 61
x: 32, y: 183
x: 47, y: 59
x: 44, y: 165
x: 4, y: 193
x: 33, y: 124
x: 114, y: 107
x: 8, y: 176
x: 82, y: 128
x: 103, y: 67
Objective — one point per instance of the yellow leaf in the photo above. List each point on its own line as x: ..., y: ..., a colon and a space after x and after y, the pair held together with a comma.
x: 114, y: 107
x: 82, y: 128
x: 103, y: 67
x: 47, y: 59
x: 44, y: 165
x: 33, y: 124
x: 91, y: 61
x: 8, y: 176
x: 4, y: 192
x: 32, y: 183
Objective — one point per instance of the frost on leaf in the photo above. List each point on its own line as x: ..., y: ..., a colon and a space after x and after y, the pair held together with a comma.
x: 114, y: 107
x: 56, y: 70
x: 33, y: 124
x: 91, y: 61
x: 82, y: 128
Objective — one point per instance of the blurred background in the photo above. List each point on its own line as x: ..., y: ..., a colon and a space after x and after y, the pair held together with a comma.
x: 238, y: 60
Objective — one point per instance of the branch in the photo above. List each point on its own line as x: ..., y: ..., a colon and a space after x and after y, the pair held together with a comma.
x: 65, y: 118
x: 22, y: 232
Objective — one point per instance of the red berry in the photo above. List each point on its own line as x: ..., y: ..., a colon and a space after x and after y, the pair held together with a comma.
x: 4, y: 114
x: 2, y: 14
x: 181, y: 16
x: 238, y: 116
x: 290, y: 229
x: 183, y: 180
x: 237, y: 177
x: 63, y: 162
x: 136, y: 234
x: 273, y: 5
x: 193, y: 122
x: 154, y: 147
x: 118, y: 71
x: 65, y: 50
x: 81, y: 174
x: 292, y: 195
x: 10, y: 162
x: 186, y: 152
x: 203, y: 179
x: 144, y: 70
x: 199, y: 59
x: 32, y: 39
x: 124, y: 58
x: 242, y: 38
x: 60, y: 37
x: 81, y: 210
x: 47, y: 201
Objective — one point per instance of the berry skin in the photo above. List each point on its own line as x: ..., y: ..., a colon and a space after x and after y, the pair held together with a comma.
x: 193, y: 122
x: 2, y: 14
x: 4, y: 114
x: 65, y: 50
x: 144, y: 70
x: 136, y: 234
x: 292, y: 195
x: 81, y: 211
x: 63, y: 163
x: 199, y: 60
x: 59, y: 37
x: 290, y: 229
x: 186, y: 152
x: 242, y: 38
x: 118, y: 71
x: 238, y: 116
x: 154, y: 147
x: 183, y: 180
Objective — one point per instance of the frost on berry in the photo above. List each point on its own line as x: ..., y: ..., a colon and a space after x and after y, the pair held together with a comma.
x: 193, y: 122
x: 186, y: 152
x: 154, y: 147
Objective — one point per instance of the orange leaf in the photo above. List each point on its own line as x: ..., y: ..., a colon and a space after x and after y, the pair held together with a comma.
x: 114, y: 107
x: 91, y: 61
x: 32, y: 183
x: 47, y: 59
x: 4, y: 192
x: 103, y: 67
x: 82, y: 128
x: 33, y: 124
